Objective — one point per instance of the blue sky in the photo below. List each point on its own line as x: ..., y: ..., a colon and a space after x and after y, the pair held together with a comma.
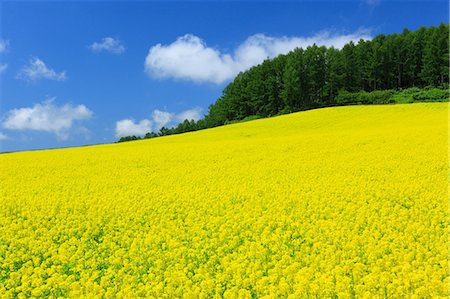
x: 85, y: 72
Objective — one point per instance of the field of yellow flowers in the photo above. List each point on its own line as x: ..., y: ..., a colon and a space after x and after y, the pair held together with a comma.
x: 330, y: 203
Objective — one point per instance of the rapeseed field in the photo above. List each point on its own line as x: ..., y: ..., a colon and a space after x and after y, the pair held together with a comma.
x: 338, y: 202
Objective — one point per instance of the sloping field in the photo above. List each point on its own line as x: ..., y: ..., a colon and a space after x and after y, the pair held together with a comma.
x: 347, y: 201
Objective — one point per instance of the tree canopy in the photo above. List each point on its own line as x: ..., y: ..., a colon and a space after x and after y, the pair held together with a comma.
x: 311, y: 77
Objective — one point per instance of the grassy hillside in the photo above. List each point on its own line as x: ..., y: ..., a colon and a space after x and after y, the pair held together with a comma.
x: 345, y: 201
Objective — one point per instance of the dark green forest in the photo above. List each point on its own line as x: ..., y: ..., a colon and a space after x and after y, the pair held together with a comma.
x: 397, y: 68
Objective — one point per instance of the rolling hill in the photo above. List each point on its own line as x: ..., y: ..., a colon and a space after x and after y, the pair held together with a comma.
x: 334, y: 202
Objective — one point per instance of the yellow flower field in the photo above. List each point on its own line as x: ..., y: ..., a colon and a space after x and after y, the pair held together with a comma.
x: 330, y: 203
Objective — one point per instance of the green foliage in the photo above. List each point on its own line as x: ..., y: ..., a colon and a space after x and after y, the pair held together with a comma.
x: 364, y: 97
x: 313, y: 76
x: 431, y: 95
x: 150, y: 135
x: 409, y: 95
x: 129, y: 138
x: 436, y: 56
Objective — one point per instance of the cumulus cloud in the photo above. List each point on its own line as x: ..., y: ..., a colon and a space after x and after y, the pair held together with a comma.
x: 161, y: 118
x: 108, y: 44
x: 190, y: 58
x: 4, y: 45
x: 37, y: 69
x: 127, y: 127
x: 158, y: 119
x: 3, y: 136
x: 191, y: 114
x: 47, y: 117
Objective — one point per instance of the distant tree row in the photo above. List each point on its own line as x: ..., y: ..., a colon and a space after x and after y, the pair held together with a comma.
x: 315, y: 76
x: 183, y: 127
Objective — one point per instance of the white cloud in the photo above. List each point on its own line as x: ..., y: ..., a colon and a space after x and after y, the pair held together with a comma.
x: 37, y: 69
x: 108, y: 44
x: 161, y: 118
x: 3, y: 67
x: 3, y: 136
x: 194, y: 113
x: 190, y: 58
x: 127, y: 127
x: 158, y: 119
x: 46, y: 117
x: 4, y: 45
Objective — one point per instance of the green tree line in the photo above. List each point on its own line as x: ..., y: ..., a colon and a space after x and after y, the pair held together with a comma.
x: 319, y: 76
